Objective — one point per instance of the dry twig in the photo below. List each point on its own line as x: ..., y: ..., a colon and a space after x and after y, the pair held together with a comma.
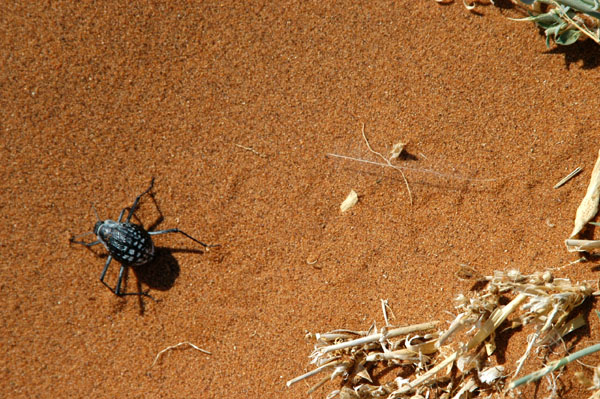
x: 568, y: 177
x: 159, y: 354
x: 252, y: 150
x: 387, y: 161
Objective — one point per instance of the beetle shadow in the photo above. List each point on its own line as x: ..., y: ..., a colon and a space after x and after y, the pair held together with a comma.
x: 160, y: 273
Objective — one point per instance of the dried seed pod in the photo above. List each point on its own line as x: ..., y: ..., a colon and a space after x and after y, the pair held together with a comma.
x: 397, y: 150
x: 493, y: 289
x: 350, y: 201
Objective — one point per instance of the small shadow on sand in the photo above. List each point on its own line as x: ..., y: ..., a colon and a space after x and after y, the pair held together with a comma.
x: 160, y: 274
x: 585, y: 52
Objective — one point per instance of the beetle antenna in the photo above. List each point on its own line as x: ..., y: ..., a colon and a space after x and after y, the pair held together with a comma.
x: 96, y: 213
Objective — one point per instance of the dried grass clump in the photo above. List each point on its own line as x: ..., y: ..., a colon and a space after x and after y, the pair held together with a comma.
x: 451, y: 363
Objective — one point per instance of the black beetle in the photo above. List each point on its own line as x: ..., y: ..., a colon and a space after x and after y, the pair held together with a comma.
x: 128, y: 243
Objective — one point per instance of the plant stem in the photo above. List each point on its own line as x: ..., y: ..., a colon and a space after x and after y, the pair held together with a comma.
x: 554, y: 366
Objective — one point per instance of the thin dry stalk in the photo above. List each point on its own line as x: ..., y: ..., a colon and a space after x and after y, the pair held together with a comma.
x: 252, y: 150
x: 385, y: 334
x: 387, y: 161
x: 385, y: 307
x: 313, y: 372
x: 177, y: 346
x: 419, y: 170
x: 568, y: 177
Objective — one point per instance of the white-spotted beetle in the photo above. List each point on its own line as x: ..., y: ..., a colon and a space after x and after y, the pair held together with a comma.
x: 128, y: 243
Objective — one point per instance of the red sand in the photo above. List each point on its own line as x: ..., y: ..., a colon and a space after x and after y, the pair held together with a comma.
x: 98, y: 97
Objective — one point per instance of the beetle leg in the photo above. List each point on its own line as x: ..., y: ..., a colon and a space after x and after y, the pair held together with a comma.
x: 104, y: 273
x: 119, y: 280
x: 121, y: 215
x: 137, y: 200
x: 153, y: 233
x: 117, y: 289
x: 87, y: 244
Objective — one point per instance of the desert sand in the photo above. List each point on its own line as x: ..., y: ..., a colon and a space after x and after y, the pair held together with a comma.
x: 232, y: 107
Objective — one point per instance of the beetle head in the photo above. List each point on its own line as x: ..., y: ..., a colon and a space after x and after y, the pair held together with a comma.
x: 97, y: 226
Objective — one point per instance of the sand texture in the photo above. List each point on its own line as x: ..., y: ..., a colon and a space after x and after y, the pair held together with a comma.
x: 232, y: 106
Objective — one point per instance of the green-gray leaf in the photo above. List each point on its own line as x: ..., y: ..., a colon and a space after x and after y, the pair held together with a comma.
x: 568, y: 37
x: 555, y: 29
x: 581, y: 6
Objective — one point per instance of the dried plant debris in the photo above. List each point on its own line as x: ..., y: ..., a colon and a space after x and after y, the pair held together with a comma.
x: 397, y: 150
x: 423, y: 361
x: 594, y: 383
x: 586, y: 212
x: 350, y: 201
x: 568, y: 177
x: 395, y: 153
x: 181, y: 344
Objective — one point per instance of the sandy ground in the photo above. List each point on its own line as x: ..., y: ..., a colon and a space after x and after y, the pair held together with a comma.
x: 233, y: 106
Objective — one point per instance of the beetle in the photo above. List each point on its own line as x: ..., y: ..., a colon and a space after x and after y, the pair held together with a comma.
x: 128, y: 243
